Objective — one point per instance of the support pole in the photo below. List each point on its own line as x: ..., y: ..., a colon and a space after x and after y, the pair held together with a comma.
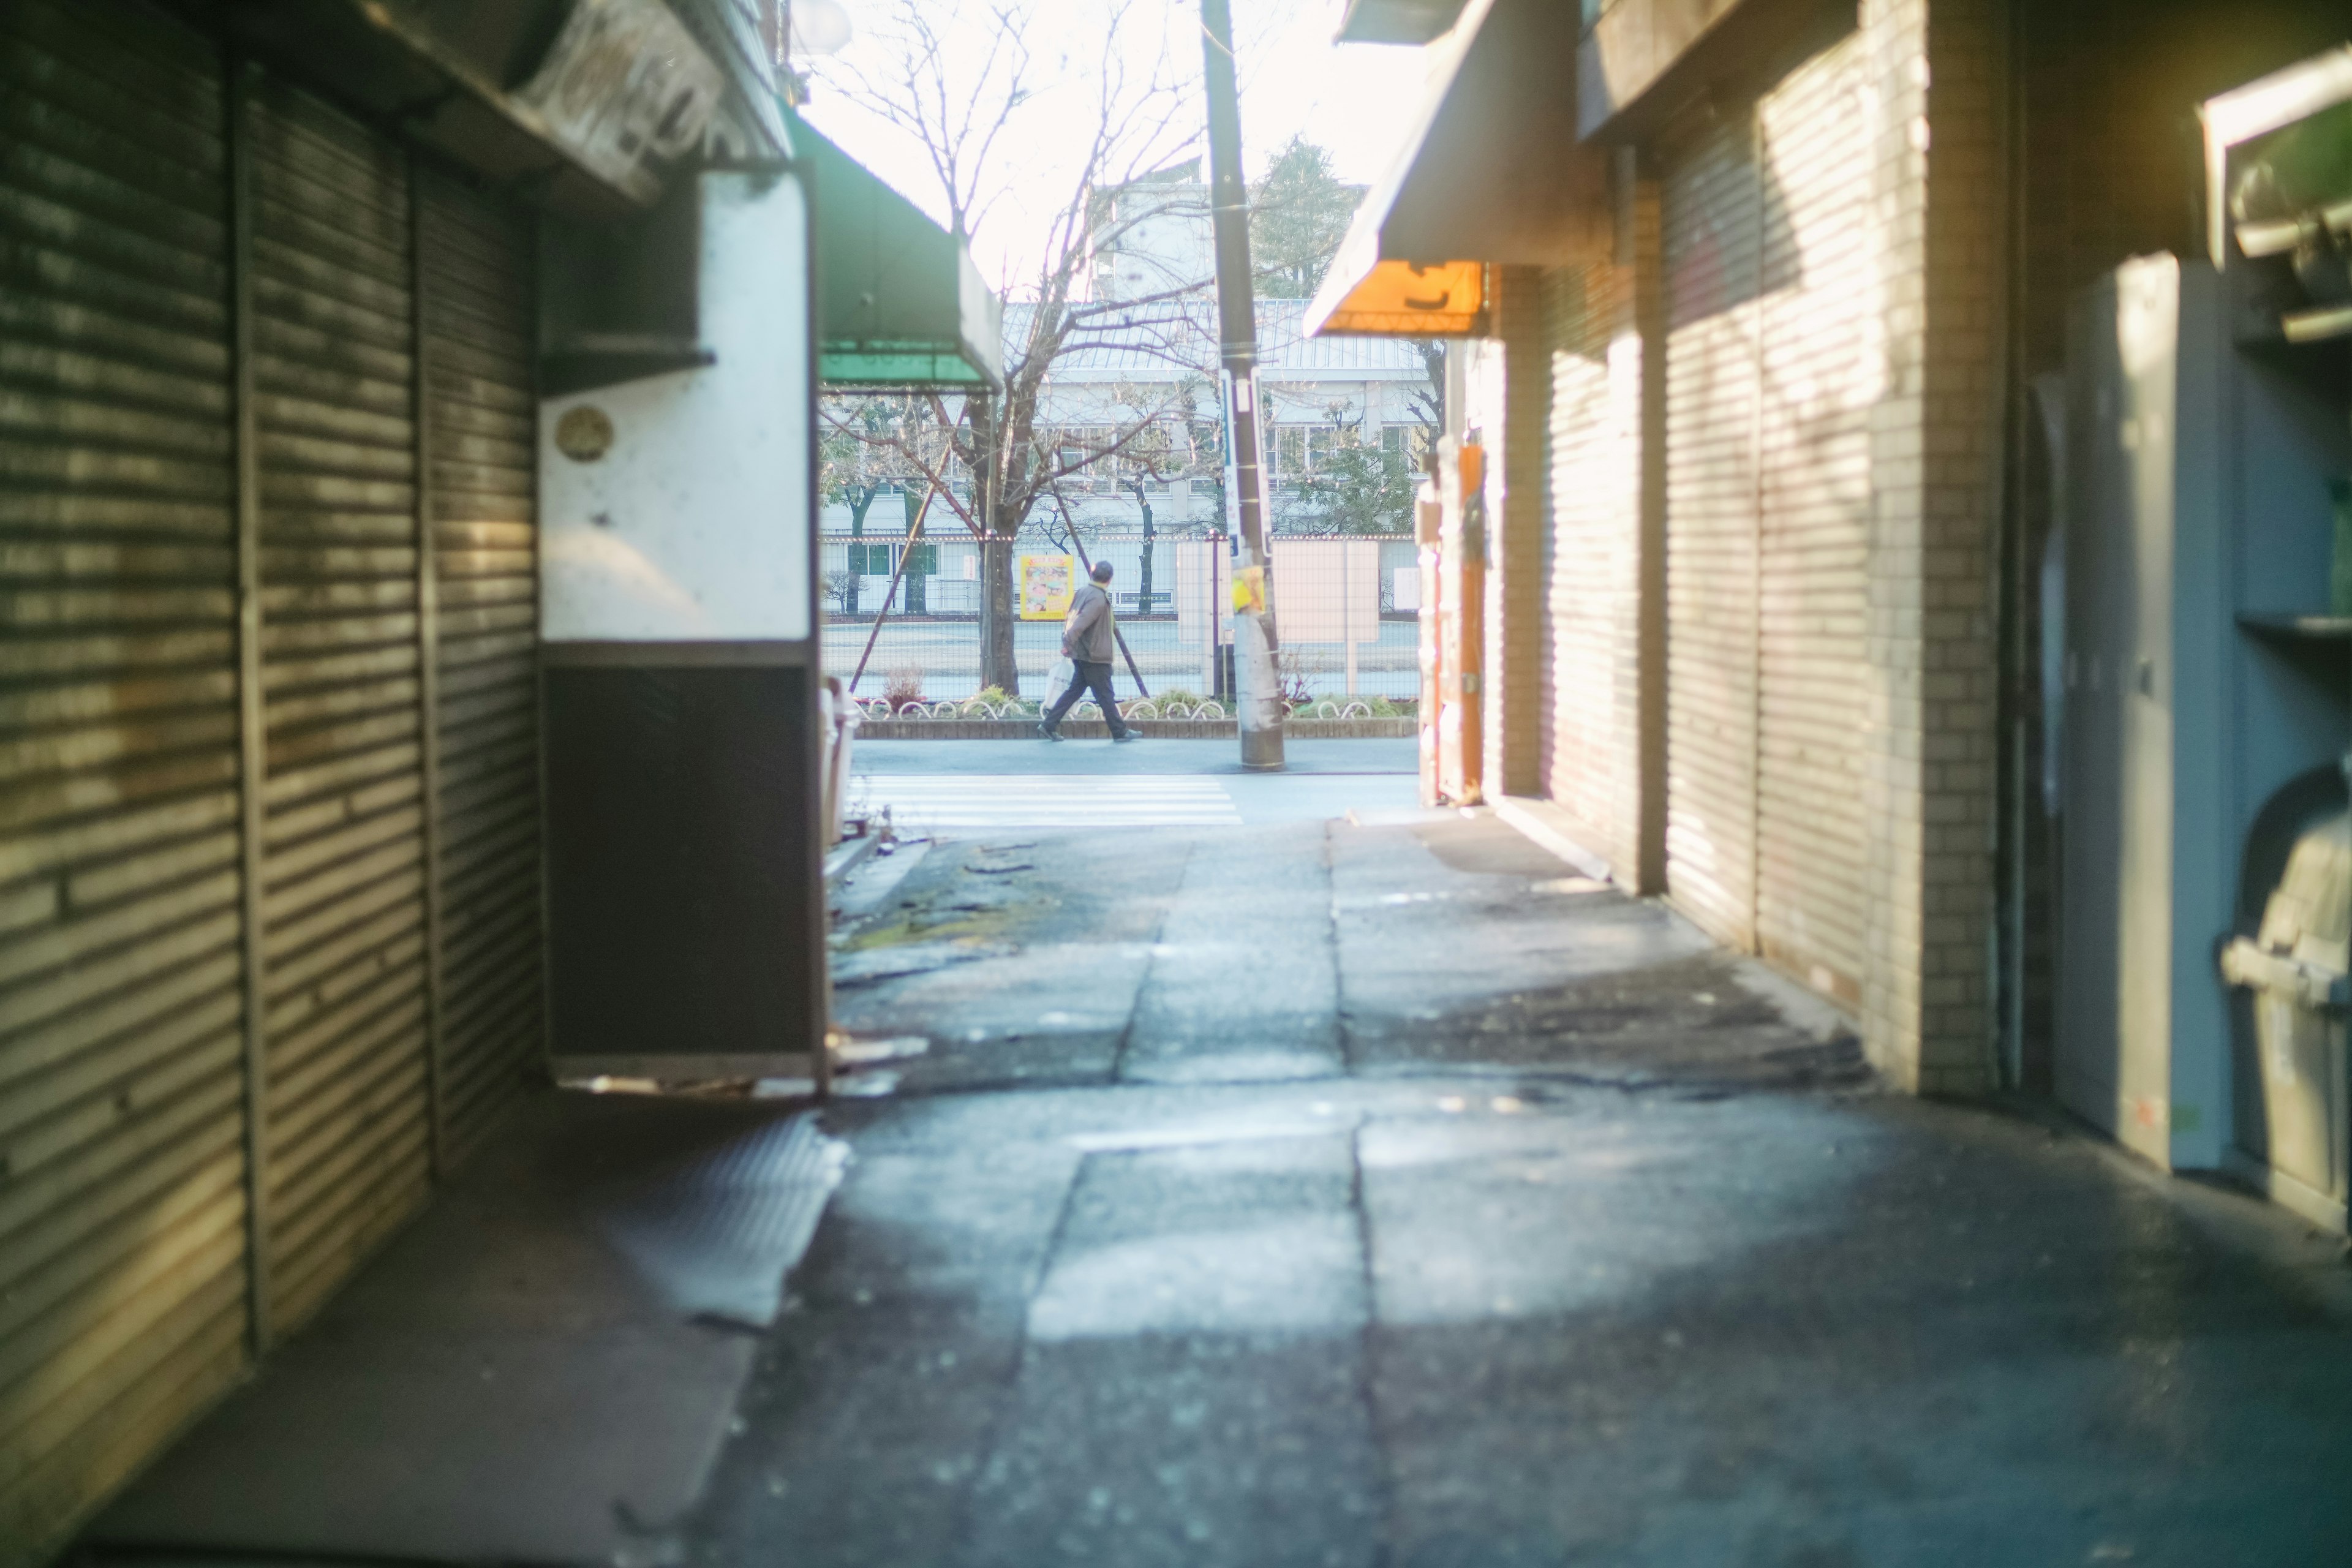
x: 1260, y: 696
x: 261, y: 1330
x: 429, y: 669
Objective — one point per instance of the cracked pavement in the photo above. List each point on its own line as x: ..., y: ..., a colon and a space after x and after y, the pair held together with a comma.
x: 1322, y: 1194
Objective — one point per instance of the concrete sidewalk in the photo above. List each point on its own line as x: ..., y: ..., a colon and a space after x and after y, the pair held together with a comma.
x: 1318, y: 1194
x: 540, y: 1369
x: 1297, y: 1193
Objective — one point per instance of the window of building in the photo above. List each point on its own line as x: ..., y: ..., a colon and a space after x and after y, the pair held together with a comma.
x: 1412, y: 441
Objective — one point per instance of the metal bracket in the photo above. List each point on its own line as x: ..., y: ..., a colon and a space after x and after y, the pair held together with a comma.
x: 2246, y: 963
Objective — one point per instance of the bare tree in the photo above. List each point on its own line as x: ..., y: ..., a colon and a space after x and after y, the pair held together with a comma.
x: 1429, y: 402
x: 856, y: 465
x: 995, y: 458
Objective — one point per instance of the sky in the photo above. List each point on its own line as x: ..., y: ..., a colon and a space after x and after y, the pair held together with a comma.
x: 1357, y: 99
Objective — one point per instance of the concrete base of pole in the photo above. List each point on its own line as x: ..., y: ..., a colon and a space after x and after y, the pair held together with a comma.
x: 1260, y: 695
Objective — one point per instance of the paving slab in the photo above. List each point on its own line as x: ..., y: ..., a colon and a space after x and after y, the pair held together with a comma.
x: 1588, y: 1243
x: 1355, y: 1196
x: 540, y: 1369
x: 1231, y: 993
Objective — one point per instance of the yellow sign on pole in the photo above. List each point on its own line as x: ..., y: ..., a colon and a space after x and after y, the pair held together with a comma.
x: 1249, y: 590
x: 1046, y: 585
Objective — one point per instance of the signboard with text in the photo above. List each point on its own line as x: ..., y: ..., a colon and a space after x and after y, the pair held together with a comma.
x: 1046, y: 585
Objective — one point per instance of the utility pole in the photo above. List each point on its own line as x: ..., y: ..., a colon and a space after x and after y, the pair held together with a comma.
x: 1253, y: 634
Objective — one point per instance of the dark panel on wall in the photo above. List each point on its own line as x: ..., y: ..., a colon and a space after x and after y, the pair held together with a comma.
x: 680, y: 862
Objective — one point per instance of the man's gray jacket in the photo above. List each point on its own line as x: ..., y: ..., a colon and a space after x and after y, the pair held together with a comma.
x: 1086, y: 633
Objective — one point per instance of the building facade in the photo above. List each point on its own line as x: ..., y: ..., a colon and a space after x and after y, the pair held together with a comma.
x: 305, y: 332
x: 1766, y: 289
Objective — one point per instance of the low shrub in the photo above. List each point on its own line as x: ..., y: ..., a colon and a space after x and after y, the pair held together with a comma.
x: 903, y: 687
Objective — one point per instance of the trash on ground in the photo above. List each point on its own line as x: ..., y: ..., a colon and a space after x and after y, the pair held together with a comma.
x: 853, y: 1053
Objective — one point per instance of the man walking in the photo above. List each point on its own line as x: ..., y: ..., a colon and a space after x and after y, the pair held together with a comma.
x: 1089, y: 642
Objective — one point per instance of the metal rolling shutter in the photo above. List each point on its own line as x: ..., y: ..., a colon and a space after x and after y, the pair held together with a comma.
x: 1712, y: 226
x: 343, y: 946
x: 1819, y: 380
x: 122, y: 1260
x: 1595, y: 510
x: 482, y: 434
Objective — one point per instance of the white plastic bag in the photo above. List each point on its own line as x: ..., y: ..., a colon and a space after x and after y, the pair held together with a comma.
x: 1058, y: 679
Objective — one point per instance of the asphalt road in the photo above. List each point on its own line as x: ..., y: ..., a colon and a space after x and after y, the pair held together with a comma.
x: 955, y: 788
x: 1141, y: 756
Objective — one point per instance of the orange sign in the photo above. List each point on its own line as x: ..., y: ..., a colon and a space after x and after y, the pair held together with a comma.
x: 1411, y: 300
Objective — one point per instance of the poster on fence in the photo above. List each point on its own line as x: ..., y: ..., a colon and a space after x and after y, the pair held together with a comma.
x: 1046, y: 583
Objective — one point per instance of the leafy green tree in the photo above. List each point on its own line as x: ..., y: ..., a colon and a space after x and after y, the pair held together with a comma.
x: 1300, y: 212
x: 1357, y: 487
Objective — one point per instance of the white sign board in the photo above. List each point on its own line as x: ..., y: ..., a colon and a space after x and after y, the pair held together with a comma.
x: 1327, y: 590
x: 676, y: 508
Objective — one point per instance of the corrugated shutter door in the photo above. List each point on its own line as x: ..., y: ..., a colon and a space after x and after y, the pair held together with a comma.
x: 1712, y: 226
x: 122, y: 1307
x: 1819, y: 381
x: 481, y: 436
x: 342, y: 884
x: 1595, y: 513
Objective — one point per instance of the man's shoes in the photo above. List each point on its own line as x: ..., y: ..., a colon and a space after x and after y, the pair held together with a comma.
x: 1124, y: 735
x: 1047, y: 731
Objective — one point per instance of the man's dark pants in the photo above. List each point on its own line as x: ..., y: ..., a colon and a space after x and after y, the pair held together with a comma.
x: 1094, y: 679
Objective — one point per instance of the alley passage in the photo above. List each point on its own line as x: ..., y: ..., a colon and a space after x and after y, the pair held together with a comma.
x: 1317, y: 1194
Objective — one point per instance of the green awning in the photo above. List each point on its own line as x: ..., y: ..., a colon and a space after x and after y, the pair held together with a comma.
x: 900, y: 303
x: 1397, y: 21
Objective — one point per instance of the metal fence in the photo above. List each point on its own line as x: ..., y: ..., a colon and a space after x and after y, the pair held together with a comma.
x: 1344, y: 608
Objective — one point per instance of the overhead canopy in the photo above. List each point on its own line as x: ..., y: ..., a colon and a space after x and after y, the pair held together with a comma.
x: 1644, y: 61
x: 1491, y: 175
x: 592, y: 105
x: 900, y: 303
x: 1397, y: 21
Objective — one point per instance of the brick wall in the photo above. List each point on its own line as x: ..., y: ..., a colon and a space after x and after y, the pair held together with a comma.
x: 2000, y: 179
x: 1935, y: 449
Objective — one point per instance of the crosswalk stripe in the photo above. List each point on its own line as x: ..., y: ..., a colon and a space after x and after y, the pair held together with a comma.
x: 932, y: 801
